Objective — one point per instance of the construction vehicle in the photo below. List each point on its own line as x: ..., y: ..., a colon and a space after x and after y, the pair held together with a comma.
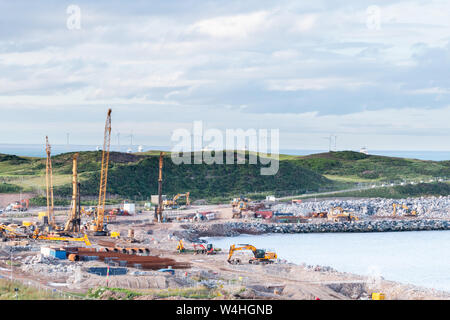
x: 322, y: 214
x: 239, y: 205
x: 74, y: 220
x: 11, y: 232
x: 407, y: 212
x: 14, y: 231
x: 201, y: 248
x: 238, y: 202
x: 159, y: 208
x: 338, y: 214
x: 118, y: 212
x: 173, y: 203
x: 49, y: 184
x: 84, y: 239
x: 180, y: 247
x: 260, y: 256
x: 98, y: 226
x: 21, y: 206
x: 88, y: 212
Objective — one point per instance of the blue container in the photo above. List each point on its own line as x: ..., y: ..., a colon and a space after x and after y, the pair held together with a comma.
x: 60, y: 254
x: 171, y: 271
x: 285, y: 214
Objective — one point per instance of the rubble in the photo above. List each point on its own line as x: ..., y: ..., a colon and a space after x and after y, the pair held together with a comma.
x: 227, y: 229
x: 426, y: 207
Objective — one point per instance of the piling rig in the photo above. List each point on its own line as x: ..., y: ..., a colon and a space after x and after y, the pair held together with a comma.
x: 49, y: 184
x: 98, y: 226
x: 159, y: 208
x: 74, y: 219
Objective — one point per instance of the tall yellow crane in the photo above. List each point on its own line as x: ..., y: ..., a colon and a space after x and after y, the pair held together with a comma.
x: 159, y: 209
x: 49, y: 183
x: 74, y: 219
x: 99, y: 220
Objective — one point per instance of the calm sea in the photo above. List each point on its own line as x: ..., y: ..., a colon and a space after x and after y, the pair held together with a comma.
x: 418, y: 257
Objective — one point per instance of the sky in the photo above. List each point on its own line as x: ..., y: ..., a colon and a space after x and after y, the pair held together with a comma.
x: 374, y: 74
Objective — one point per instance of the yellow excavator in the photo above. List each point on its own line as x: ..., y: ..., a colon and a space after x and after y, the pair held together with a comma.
x: 338, y: 214
x: 180, y: 246
x: 409, y: 212
x: 239, y: 205
x: 173, y: 202
x: 260, y: 256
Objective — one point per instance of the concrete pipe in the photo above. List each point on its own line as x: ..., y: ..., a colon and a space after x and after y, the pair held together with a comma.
x: 73, y: 257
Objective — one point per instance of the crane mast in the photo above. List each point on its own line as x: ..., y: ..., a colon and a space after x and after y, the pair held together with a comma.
x: 49, y: 184
x: 98, y: 227
x: 73, y: 222
x: 160, y: 201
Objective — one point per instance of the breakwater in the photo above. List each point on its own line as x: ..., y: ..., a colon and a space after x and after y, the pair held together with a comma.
x: 228, y: 229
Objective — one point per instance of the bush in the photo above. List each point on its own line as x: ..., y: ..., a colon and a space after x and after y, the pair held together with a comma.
x: 9, y: 188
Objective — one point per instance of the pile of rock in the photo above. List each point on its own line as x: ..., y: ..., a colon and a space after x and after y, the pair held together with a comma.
x: 49, y: 265
x: 427, y: 207
x: 235, y: 228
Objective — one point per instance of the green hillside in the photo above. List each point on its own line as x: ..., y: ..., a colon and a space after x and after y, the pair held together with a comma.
x: 355, y: 166
x: 135, y: 175
x: 139, y: 178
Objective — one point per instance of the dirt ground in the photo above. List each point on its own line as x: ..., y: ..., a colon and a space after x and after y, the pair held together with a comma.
x: 7, y: 198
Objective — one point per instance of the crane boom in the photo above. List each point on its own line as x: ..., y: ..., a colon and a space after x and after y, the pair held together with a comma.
x: 103, y: 176
x: 49, y: 184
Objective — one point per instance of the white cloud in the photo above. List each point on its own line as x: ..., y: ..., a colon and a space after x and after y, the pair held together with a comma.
x: 314, y: 84
x: 235, y: 26
x: 304, y: 23
x: 240, y: 65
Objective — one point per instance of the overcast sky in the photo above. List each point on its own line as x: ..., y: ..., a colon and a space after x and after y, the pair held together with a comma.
x: 375, y: 74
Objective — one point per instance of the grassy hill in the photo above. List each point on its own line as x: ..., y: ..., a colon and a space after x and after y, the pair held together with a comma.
x: 139, y: 177
x: 135, y: 175
x: 359, y: 167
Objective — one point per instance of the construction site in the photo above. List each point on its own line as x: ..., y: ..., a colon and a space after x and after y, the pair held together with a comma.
x: 156, y: 250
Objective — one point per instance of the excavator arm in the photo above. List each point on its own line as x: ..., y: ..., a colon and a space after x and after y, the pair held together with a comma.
x: 233, y: 249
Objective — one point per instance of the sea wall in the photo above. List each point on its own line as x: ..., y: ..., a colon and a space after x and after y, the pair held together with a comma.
x: 193, y: 231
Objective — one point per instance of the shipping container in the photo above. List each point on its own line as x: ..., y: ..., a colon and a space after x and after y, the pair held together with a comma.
x: 60, y: 254
x: 264, y: 214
